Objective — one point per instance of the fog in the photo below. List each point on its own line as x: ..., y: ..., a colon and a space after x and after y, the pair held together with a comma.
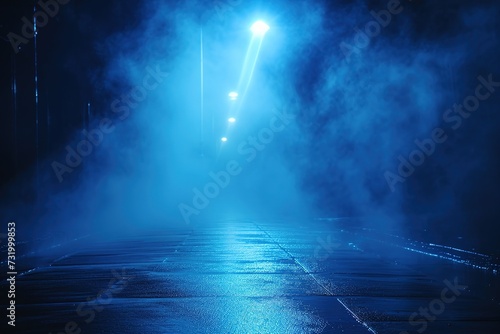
x: 331, y: 109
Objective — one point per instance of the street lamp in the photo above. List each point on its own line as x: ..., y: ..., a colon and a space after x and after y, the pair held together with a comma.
x: 259, y: 28
x: 233, y: 96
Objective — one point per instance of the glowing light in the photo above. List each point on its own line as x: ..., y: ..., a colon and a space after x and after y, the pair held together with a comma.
x: 233, y: 96
x: 223, y: 139
x: 259, y: 28
x: 231, y: 119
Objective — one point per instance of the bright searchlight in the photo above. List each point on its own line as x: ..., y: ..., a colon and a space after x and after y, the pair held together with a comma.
x: 259, y: 28
x: 233, y: 96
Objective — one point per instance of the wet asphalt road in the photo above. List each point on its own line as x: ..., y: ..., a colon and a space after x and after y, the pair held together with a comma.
x: 257, y: 277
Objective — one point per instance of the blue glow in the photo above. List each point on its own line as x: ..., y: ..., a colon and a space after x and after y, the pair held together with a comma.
x: 231, y: 119
x: 259, y: 28
x: 249, y: 65
x: 233, y: 96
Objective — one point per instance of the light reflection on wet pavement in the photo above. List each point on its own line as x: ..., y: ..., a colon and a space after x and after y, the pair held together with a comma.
x: 257, y: 277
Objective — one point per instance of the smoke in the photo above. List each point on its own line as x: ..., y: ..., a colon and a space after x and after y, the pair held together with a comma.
x: 339, y: 92
x: 154, y: 154
x: 376, y: 81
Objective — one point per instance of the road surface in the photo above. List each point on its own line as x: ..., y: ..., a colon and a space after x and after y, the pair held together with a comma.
x: 257, y: 276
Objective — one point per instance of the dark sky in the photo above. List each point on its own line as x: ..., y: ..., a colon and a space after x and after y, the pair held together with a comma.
x: 358, y: 111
